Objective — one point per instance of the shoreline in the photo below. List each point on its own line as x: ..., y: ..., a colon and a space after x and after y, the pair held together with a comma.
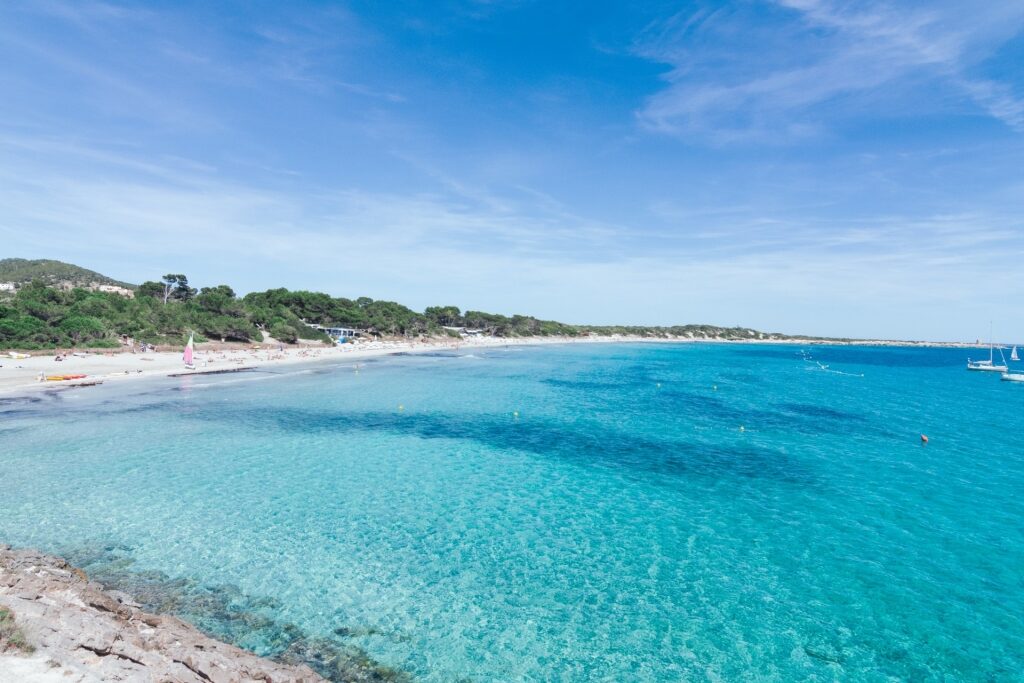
x: 20, y: 377
x: 783, y: 476
x: 62, y: 627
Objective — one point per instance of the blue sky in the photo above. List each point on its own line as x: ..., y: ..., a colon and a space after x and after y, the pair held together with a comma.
x: 826, y: 167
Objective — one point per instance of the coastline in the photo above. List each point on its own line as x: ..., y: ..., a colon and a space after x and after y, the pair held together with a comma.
x: 821, y: 412
x: 21, y: 376
x: 67, y: 628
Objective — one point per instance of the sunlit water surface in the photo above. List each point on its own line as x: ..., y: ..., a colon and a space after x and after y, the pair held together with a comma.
x: 576, y: 513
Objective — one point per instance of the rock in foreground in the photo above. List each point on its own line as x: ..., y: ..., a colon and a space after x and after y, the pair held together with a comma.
x: 88, y: 634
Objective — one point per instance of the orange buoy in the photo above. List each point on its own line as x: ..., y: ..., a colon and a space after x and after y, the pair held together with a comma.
x: 924, y: 439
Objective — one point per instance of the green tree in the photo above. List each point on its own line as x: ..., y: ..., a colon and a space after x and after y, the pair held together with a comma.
x: 80, y: 328
x: 152, y: 289
x: 285, y: 333
x: 444, y: 315
x: 176, y: 287
x: 220, y: 300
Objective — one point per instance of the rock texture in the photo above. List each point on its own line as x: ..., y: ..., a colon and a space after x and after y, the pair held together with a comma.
x: 88, y: 634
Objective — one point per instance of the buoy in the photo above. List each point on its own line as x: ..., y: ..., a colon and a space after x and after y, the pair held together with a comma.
x: 515, y: 414
x: 659, y: 385
x: 401, y: 408
x: 715, y: 387
x: 742, y: 428
x: 924, y: 439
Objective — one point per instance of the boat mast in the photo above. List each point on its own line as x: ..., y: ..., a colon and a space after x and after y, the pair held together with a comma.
x: 991, y: 357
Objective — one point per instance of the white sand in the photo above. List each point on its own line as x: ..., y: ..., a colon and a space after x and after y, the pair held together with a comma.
x: 20, y: 376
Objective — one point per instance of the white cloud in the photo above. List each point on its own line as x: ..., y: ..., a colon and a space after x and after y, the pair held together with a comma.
x: 138, y: 176
x: 138, y: 219
x: 777, y: 81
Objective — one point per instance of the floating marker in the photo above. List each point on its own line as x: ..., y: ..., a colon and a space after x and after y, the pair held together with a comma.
x: 515, y: 414
x: 742, y: 428
x: 401, y: 408
x: 659, y: 385
x: 715, y: 387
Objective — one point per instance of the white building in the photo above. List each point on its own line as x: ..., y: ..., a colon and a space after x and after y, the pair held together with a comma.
x: 336, y: 333
x: 463, y: 331
x: 114, y: 289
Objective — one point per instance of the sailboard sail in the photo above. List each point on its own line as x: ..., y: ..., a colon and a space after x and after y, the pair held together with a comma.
x: 189, y: 349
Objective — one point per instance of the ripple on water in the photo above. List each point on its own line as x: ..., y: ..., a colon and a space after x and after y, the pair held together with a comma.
x: 576, y: 513
x: 228, y: 614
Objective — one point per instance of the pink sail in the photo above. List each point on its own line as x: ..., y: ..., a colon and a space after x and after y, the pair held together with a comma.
x: 188, y: 351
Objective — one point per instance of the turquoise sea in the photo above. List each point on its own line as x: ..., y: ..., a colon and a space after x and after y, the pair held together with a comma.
x: 566, y: 513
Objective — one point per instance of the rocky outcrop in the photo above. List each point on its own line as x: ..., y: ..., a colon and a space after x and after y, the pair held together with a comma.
x: 90, y: 634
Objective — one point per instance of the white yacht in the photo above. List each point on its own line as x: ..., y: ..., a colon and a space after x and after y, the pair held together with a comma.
x: 988, y: 365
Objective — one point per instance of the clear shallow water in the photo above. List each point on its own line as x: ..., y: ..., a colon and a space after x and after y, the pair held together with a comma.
x: 616, y: 530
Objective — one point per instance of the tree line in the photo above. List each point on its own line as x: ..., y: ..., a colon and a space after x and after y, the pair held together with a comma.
x: 39, y: 316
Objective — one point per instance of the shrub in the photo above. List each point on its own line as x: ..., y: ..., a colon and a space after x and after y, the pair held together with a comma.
x: 284, y: 333
x: 12, y: 637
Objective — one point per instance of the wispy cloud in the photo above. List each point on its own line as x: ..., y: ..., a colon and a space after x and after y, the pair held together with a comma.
x: 307, y: 50
x: 264, y: 148
x: 310, y: 50
x: 126, y: 194
x: 139, y: 217
x: 789, y: 70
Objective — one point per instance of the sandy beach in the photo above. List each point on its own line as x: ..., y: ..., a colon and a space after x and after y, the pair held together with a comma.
x: 22, y: 375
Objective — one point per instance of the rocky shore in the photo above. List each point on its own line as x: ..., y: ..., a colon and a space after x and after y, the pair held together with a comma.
x: 57, y: 625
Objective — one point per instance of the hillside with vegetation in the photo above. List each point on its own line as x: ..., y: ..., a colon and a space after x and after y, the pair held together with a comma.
x: 38, y: 316
x: 20, y: 271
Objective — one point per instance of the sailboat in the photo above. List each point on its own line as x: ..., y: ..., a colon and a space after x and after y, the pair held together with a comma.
x: 189, y: 350
x: 1013, y: 376
x: 988, y: 365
